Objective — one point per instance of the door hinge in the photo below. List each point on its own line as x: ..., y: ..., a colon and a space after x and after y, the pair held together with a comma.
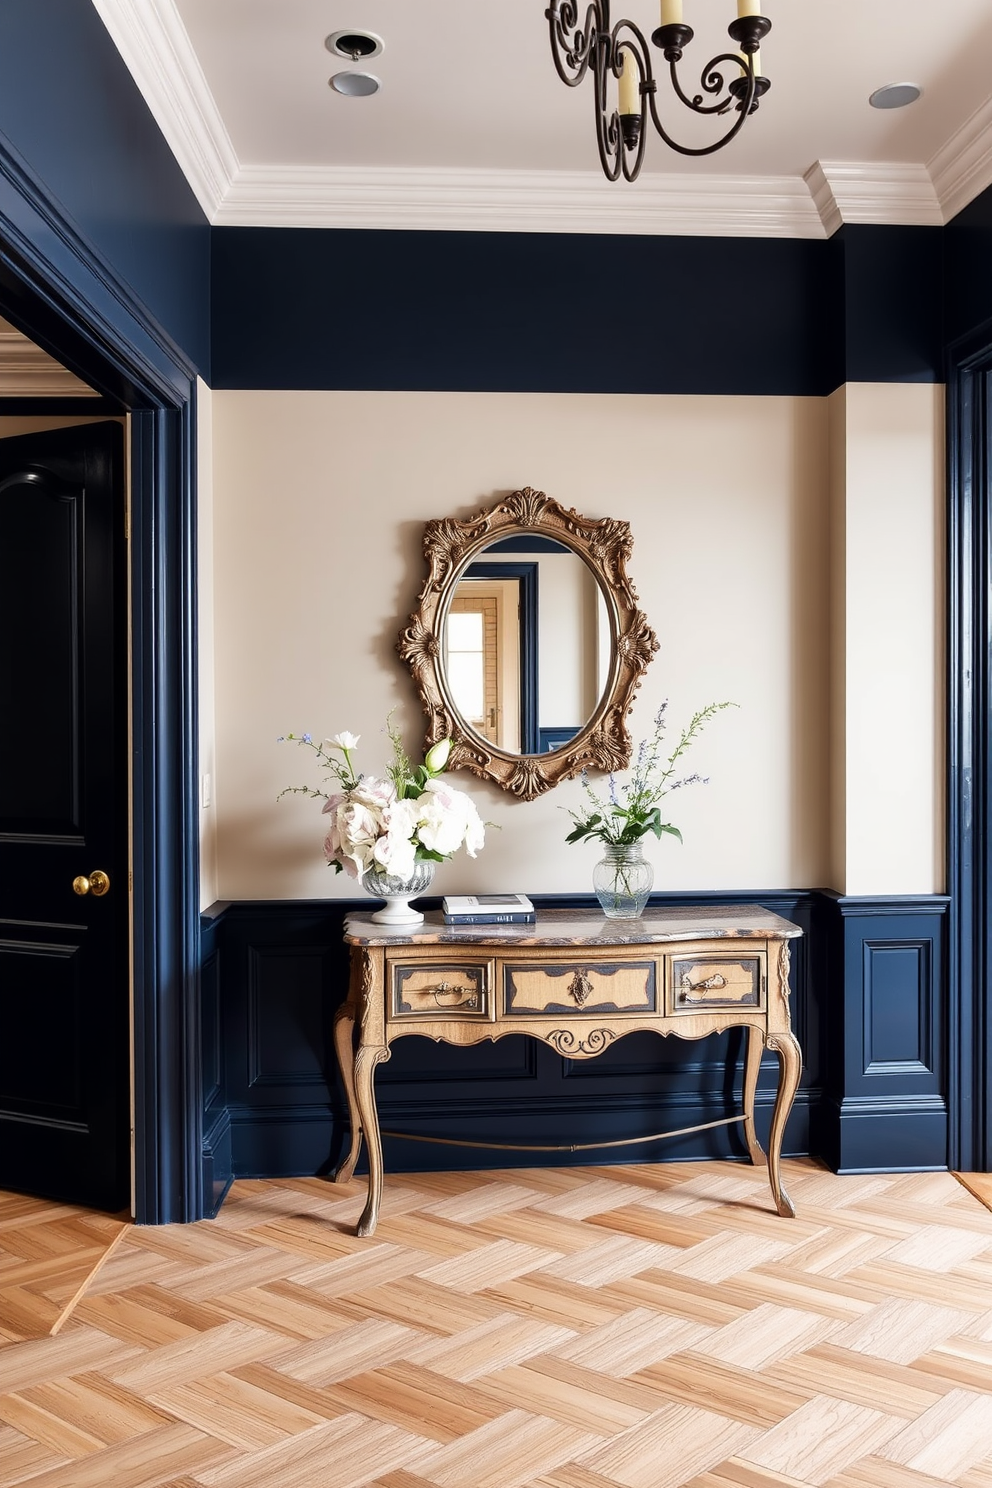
x: 127, y: 525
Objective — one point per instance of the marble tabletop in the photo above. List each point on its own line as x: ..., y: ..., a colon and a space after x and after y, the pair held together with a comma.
x: 585, y: 927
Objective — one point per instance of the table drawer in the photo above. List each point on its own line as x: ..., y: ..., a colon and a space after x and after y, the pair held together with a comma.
x: 706, y: 981
x: 448, y: 989
x: 535, y: 990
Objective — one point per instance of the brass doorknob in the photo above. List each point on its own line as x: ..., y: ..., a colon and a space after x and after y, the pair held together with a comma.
x: 97, y: 884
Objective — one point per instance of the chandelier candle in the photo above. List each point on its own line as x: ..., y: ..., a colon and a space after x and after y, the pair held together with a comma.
x: 630, y: 84
x: 729, y: 85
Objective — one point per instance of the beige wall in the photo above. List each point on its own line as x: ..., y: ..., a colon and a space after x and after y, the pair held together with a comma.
x: 888, y: 639
x: 209, y: 890
x: 319, y: 504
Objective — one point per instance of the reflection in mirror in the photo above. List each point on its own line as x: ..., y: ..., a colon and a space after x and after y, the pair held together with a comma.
x: 526, y: 645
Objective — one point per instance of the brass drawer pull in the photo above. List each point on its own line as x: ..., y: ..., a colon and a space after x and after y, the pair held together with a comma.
x: 580, y: 987
x: 711, y: 984
x: 464, y: 996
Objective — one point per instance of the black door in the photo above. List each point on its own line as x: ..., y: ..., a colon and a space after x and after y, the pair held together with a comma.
x: 64, y: 961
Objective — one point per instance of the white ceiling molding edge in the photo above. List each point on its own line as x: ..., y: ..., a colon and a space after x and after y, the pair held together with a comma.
x: 28, y: 372
x: 155, y: 47
x: 962, y: 168
x: 891, y: 195
x: 159, y: 55
x: 519, y: 201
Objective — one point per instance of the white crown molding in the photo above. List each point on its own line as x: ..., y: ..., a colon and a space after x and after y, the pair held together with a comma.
x: 894, y: 195
x: 155, y: 47
x: 28, y: 372
x: 962, y: 168
x: 159, y: 55
x: 519, y: 201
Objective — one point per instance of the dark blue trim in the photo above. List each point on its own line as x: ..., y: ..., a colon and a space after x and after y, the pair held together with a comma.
x: 886, y: 1085
x: 56, y: 287
x: 969, y: 786
x: 50, y: 274
x: 528, y: 543
x: 168, y: 1102
x: 70, y: 107
x: 529, y: 619
x: 555, y: 735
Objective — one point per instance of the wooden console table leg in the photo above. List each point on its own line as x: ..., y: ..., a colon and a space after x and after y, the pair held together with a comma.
x: 368, y: 1056
x: 790, y: 1057
x: 344, y: 1048
x: 752, y: 1065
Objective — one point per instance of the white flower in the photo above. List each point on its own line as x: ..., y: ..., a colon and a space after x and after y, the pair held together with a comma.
x: 377, y: 795
x: 437, y: 756
x: 344, y: 741
x: 449, y: 819
x: 373, y: 822
x: 395, y: 851
x: 352, y: 835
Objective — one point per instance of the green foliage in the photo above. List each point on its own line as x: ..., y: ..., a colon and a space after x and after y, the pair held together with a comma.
x: 630, y: 810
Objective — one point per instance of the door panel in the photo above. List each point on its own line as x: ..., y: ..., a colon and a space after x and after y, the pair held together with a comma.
x: 64, y: 982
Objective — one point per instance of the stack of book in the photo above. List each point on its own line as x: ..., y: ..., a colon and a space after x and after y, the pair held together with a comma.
x: 487, y: 909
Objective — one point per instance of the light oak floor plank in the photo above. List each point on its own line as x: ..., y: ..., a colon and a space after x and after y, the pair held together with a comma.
x: 650, y: 1326
x: 979, y: 1184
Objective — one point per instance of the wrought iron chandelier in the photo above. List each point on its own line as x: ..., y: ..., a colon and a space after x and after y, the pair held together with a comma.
x: 621, y: 52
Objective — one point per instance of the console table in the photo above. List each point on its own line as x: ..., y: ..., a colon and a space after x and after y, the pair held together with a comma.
x: 576, y: 981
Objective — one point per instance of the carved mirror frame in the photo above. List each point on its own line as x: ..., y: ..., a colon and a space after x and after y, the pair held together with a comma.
x: 605, y: 545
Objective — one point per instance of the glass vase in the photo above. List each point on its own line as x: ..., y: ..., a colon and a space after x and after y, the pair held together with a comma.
x: 398, y: 892
x: 623, y: 880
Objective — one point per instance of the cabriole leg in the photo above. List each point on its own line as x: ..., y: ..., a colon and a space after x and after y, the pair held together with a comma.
x: 344, y: 1048
x: 368, y: 1057
x: 790, y: 1057
x: 752, y: 1065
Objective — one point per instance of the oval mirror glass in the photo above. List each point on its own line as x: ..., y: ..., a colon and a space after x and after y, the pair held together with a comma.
x: 526, y: 645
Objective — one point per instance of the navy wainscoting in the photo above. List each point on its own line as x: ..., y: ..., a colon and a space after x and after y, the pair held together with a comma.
x: 868, y: 1008
x: 885, y: 1104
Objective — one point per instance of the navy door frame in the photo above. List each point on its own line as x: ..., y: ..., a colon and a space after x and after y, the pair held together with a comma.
x: 61, y: 293
x: 969, y: 742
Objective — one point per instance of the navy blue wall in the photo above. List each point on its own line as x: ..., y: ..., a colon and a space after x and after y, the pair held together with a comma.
x: 528, y: 312
x: 968, y: 268
x: 891, y: 310
x: 70, y: 111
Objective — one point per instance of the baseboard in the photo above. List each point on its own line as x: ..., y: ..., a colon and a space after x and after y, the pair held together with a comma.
x: 865, y: 1135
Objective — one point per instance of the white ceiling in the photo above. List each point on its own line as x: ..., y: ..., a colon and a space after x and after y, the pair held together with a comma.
x: 473, y: 129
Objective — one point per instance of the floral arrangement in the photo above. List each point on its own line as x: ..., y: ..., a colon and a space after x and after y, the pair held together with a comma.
x: 390, y: 823
x: 631, y: 810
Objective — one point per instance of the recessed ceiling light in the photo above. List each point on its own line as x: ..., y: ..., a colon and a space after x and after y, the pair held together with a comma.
x: 357, y: 46
x: 355, y: 84
x: 894, y: 95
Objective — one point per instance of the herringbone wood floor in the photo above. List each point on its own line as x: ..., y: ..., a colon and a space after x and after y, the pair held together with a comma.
x: 638, y: 1327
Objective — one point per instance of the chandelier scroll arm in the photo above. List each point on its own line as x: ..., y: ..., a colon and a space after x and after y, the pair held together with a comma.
x: 621, y: 137
x: 608, y: 133
x: 573, y: 48
x: 736, y: 127
x: 711, y: 81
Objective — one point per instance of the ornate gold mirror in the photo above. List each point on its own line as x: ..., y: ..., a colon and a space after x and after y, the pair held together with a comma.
x: 527, y: 644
